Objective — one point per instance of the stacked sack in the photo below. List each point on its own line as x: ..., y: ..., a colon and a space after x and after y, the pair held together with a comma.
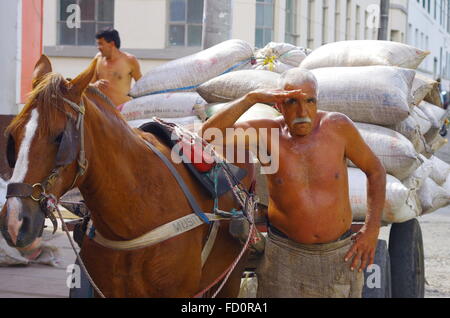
x: 168, y: 91
x: 270, y: 61
x: 398, y: 115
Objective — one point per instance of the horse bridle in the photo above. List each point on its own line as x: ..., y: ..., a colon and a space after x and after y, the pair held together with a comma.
x: 71, y: 146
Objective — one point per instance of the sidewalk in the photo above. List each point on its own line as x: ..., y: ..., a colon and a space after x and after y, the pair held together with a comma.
x: 40, y: 281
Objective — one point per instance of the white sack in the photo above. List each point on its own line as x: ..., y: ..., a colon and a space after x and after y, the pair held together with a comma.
x: 400, y: 204
x: 410, y: 128
x: 421, y: 87
x: 440, y: 170
x: 421, y: 119
x: 364, y: 53
x: 162, y: 105
x: 435, y: 114
x: 372, y: 94
x: 396, y: 153
x: 185, y: 73
x: 257, y: 111
x: 182, y: 121
x: 278, y: 57
x: 417, y: 178
x: 233, y: 85
x: 432, y: 196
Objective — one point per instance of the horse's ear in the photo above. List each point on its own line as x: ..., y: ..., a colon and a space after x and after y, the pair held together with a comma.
x: 42, y: 67
x: 79, y: 83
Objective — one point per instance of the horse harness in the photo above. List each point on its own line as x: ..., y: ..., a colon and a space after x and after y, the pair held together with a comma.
x: 72, y: 146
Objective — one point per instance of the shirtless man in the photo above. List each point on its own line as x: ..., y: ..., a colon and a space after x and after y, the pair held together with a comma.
x: 114, y: 68
x: 310, y: 251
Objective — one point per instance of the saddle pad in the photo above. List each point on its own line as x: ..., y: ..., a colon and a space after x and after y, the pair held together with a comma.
x: 204, y: 178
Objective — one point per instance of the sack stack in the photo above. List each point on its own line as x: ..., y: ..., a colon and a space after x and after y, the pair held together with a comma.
x: 168, y: 91
x: 398, y: 114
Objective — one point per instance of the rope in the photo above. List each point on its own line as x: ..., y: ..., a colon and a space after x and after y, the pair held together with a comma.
x: 52, y: 204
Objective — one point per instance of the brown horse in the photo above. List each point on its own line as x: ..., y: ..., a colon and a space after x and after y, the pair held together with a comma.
x: 127, y: 188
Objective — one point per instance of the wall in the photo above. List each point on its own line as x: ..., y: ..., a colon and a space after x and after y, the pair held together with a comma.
x: 424, y: 22
x: 10, y: 18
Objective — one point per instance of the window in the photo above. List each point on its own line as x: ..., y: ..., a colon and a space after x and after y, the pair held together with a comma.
x: 264, y: 22
x: 311, y: 14
x: 337, y: 21
x: 291, y: 34
x: 325, y: 22
x: 348, y: 20
x: 358, y: 23
x: 185, y: 22
x: 95, y: 15
x: 448, y: 17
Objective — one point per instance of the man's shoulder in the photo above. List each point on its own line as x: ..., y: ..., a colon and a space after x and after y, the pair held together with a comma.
x: 130, y: 57
x: 334, y: 119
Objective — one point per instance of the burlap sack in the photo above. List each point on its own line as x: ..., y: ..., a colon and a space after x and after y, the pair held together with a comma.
x: 396, y: 153
x: 401, y: 203
x: 364, y: 53
x: 233, y: 85
x: 372, y: 94
x: 168, y: 105
x: 185, y: 73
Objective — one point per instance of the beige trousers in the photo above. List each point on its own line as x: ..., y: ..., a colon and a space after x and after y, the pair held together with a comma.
x: 292, y: 270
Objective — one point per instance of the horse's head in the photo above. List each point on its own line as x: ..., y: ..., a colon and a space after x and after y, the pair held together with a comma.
x: 45, y: 148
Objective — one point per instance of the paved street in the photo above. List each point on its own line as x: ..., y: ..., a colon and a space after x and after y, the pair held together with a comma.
x: 46, y: 281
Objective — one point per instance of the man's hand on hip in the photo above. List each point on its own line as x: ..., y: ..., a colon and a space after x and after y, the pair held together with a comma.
x: 363, y: 249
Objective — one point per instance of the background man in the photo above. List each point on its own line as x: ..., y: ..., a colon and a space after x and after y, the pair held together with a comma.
x: 309, y: 214
x: 115, y: 68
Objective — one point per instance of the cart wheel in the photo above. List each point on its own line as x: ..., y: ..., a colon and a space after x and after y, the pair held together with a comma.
x: 407, y: 260
x: 372, y: 287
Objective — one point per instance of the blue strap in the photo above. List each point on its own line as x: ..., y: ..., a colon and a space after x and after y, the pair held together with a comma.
x: 181, y: 183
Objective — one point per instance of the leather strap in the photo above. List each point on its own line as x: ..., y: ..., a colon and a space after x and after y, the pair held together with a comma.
x: 181, y: 183
x: 21, y: 190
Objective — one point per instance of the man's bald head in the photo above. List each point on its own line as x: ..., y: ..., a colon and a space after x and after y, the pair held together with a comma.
x: 297, y: 77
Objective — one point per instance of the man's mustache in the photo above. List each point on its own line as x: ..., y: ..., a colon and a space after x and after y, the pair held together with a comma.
x: 301, y: 120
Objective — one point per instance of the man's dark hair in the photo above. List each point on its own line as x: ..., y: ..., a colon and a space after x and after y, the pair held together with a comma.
x: 109, y: 35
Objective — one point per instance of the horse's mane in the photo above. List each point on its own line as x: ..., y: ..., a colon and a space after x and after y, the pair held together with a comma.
x: 49, y: 91
x: 94, y: 90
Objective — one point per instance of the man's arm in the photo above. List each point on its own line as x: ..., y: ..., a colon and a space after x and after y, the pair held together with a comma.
x: 99, y: 83
x: 227, y: 117
x: 135, y: 68
x: 363, y: 249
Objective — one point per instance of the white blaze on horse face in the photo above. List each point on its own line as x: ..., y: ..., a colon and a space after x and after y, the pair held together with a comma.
x: 21, y: 167
x: 14, y: 205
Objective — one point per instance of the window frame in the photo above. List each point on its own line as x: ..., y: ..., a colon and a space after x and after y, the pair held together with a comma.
x: 294, y: 16
x: 185, y: 24
x: 265, y: 28
x: 59, y: 22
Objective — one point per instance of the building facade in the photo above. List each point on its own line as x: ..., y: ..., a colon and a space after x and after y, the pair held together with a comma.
x: 157, y: 31
x: 160, y: 30
x: 429, y: 29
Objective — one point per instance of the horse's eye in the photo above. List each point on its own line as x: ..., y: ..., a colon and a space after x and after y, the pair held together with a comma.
x: 59, y: 138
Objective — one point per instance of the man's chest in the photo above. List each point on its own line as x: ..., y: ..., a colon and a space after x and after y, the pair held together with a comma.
x: 313, y: 162
x: 116, y: 71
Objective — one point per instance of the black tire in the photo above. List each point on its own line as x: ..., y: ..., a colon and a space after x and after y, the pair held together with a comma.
x: 382, y: 272
x: 407, y: 260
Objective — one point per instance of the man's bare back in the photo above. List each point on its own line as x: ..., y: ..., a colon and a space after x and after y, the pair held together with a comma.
x: 115, y: 70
